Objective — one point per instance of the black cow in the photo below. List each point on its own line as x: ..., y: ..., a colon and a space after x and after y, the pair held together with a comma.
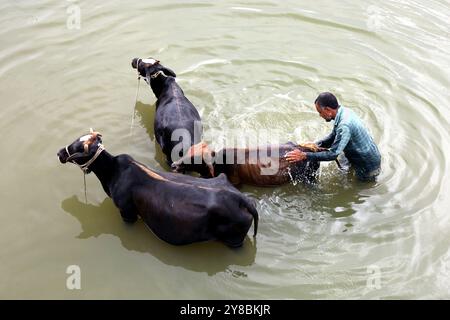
x: 179, y: 209
x: 176, y: 119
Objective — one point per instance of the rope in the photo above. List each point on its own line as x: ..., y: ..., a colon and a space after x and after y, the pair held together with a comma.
x: 153, y: 76
x: 156, y: 74
x: 85, y: 167
x: 339, y: 164
x: 136, y: 97
x: 134, y: 108
x: 305, y: 145
x: 85, y: 189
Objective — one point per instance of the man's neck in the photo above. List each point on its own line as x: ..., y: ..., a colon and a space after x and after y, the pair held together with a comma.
x: 336, y: 113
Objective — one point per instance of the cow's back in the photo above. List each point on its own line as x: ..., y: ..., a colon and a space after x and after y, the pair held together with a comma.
x: 176, y: 119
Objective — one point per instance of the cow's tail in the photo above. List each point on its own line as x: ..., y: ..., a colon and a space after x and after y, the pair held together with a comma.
x: 252, y: 209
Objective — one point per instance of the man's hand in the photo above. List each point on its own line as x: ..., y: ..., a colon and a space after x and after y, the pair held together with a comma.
x: 312, y: 146
x: 295, y: 156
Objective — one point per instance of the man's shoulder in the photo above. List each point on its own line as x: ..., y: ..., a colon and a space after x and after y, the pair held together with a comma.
x: 349, y: 117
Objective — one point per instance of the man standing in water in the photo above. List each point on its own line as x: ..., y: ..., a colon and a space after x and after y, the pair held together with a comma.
x: 349, y: 135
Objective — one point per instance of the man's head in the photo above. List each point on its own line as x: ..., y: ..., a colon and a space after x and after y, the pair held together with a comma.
x: 327, y: 106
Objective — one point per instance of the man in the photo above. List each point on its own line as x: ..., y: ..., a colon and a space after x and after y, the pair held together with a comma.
x: 349, y: 135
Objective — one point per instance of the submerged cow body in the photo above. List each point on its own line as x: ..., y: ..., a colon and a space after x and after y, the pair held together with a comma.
x: 261, y: 166
x: 176, y: 118
x: 179, y: 209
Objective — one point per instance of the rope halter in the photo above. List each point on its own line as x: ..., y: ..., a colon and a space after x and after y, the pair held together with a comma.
x: 156, y: 74
x: 85, y: 166
x: 152, y: 62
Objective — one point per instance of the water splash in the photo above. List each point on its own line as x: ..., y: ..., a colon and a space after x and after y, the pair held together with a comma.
x: 294, y: 181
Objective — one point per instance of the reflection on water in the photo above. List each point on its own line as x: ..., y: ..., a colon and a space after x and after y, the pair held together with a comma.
x: 146, y: 114
x: 211, y: 257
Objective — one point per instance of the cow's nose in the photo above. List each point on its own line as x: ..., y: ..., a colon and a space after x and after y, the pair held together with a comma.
x: 134, y: 63
x: 174, y: 166
x: 60, y: 157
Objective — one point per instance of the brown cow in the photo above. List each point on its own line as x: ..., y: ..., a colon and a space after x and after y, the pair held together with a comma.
x: 260, y: 166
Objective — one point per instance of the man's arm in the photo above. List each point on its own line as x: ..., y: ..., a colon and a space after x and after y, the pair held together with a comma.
x: 327, y: 141
x: 340, y: 142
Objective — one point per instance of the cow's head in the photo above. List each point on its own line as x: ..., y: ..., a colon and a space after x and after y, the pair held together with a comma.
x: 151, y: 68
x: 198, y: 158
x: 82, y: 150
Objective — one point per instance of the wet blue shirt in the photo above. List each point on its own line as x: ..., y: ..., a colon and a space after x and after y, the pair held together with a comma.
x: 351, y: 137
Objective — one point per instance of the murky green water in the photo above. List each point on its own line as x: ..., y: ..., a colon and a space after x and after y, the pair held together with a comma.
x: 248, y: 65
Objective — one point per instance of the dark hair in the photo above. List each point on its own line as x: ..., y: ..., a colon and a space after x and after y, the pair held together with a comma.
x: 327, y: 99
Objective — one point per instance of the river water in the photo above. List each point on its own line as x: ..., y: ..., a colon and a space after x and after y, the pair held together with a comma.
x: 247, y: 65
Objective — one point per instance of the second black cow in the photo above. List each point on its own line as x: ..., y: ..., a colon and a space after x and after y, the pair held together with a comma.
x: 177, y: 122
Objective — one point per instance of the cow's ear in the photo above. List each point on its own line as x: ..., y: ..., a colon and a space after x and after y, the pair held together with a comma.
x: 169, y: 72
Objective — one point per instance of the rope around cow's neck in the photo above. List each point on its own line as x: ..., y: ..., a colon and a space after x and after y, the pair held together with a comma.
x: 85, y: 167
x: 85, y: 189
x: 135, y: 100
x: 152, y: 76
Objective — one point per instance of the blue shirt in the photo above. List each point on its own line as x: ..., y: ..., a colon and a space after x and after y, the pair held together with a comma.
x: 351, y: 137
